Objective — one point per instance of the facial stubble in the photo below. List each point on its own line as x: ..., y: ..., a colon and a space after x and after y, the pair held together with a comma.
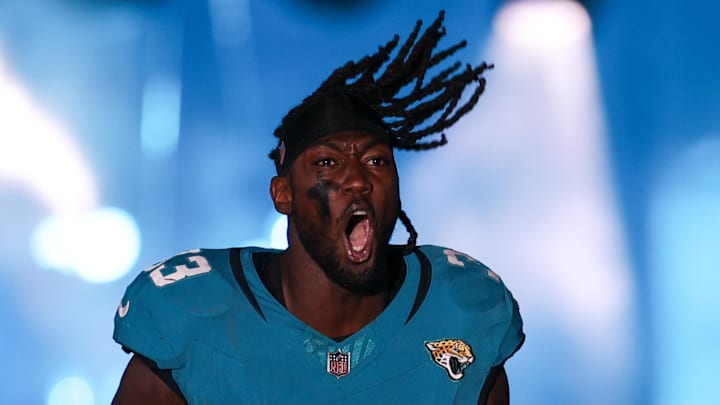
x: 322, y: 247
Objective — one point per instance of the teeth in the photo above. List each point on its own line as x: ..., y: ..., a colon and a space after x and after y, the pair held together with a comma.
x: 358, y: 230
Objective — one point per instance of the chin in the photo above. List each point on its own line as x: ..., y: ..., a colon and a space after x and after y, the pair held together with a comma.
x: 366, y: 278
x: 360, y: 270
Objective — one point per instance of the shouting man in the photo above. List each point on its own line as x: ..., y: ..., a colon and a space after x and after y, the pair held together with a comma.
x: 340, y: 316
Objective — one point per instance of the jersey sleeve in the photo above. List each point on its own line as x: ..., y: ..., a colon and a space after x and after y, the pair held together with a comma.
x: 514, y: 336
x: 478, y: 293
x: 162, y: 307
x: 142, y: 328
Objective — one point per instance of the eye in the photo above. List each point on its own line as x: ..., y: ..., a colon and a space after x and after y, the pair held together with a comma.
x: 377, y: 161
x: 325, y: 162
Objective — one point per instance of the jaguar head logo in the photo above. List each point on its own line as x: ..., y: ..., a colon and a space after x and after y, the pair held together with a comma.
x: 453, y: 355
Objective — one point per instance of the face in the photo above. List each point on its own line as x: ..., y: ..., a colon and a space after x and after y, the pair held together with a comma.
x: 344, y: 205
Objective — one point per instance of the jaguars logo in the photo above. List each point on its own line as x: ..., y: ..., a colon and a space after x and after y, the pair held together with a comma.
x: 453, y: 355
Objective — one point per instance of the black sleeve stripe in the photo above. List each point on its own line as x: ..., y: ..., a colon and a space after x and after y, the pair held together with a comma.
x: 237, y: 269
x: 424, y: 285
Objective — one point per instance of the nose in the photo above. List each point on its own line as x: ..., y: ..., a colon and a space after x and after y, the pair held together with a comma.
x: 356, y: 180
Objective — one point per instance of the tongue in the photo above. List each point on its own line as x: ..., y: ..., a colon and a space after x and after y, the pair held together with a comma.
x: 358, y: 236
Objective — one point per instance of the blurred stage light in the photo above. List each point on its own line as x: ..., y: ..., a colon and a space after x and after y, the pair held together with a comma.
x: 684, y: 239
x: 98, y: 246
x: 71, y: 390
x: 231, y: 21
x: 278, y: 235
x: 37, y: 153
x: 160, y: 122
x: 543, y: 24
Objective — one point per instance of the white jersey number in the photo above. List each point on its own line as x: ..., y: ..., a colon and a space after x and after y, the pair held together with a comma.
x: 454, y: 257
x: 201, y: 266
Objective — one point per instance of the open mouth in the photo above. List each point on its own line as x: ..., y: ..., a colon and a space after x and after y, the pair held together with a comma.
x: 358, y: 236
x: 457, y: 367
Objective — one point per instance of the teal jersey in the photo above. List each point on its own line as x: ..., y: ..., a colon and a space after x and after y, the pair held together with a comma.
x: 207, y: 316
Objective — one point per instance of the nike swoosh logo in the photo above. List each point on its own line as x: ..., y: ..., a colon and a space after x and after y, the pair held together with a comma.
x: 123, y: 309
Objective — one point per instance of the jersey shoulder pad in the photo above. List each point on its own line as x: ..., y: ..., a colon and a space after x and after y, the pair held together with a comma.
x: 479, y: 292
x: 195, y: 281
x: 445, y: 260
x: 161, y: 306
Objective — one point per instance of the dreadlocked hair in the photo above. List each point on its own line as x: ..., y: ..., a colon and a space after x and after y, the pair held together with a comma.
x: 431, y: 106
x: 414, y: 107
x: 412, y: 239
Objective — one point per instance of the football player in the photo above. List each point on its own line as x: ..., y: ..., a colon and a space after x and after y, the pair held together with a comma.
x: 341, y: 315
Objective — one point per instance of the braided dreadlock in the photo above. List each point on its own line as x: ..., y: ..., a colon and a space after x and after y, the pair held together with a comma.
x: 408, y: 107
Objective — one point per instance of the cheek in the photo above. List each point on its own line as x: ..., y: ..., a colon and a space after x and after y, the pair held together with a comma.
x: 390, y: 189
x: 319, y: 194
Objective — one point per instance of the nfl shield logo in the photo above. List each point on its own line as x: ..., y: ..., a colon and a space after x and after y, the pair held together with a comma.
x: 338, y: 363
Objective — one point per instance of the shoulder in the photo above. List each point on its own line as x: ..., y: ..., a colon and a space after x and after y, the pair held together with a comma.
x: 194, y: 280
x: 467, y: 283
x: 160, y: 307
x: 474, y: 292
x: 454, y: 264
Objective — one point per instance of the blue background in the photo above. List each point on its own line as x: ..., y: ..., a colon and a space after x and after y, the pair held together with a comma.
x: 620, y: 304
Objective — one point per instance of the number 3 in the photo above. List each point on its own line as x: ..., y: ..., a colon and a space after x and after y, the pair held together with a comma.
x: 181, y: 271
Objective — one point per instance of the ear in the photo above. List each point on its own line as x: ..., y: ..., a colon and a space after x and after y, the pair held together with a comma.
x: 281, y: 194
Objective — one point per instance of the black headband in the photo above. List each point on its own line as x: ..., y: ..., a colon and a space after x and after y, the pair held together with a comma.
x: 328, y: 114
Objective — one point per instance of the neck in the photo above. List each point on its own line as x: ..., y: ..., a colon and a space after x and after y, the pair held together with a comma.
x: 319, y: 302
